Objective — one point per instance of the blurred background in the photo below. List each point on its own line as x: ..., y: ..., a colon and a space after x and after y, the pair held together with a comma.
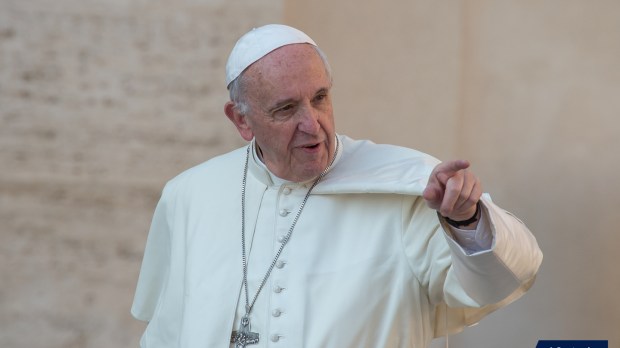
x: 101, y: 102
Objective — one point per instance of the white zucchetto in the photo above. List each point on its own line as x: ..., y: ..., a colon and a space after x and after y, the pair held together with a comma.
x: 256, y: 43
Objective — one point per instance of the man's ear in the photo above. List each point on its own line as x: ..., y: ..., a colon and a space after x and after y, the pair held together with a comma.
x: 240, y: 121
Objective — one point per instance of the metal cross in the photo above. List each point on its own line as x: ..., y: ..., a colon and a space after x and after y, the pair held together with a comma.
x: 244, y: 336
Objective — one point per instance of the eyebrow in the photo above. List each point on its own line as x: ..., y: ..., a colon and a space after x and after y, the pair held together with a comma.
x: 324, y: 90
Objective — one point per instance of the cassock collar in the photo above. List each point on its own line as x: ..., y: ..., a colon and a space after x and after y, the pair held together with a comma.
x: 362, y: 166
x: 259, y: 170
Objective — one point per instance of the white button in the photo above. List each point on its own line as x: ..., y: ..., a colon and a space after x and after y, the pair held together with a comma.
x: 287, y: 190
x: 281, y: 238
x: 275, y: 338
x: 284, y: 212
x: 278, y: 289
x: 280, y: 264
x: 276, y: 313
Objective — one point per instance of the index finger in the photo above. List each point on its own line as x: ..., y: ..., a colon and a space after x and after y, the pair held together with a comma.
x: 445, y: 170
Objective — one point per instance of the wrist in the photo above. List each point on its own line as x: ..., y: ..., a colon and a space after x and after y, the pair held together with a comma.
x: 464, y: 223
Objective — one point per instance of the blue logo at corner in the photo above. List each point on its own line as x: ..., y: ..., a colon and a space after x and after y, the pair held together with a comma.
x: 572, y: 344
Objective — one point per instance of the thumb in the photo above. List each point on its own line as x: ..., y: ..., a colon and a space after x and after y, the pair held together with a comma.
x: 432, y: 195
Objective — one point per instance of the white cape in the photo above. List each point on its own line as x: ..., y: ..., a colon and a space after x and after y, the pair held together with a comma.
x: 417, y: 283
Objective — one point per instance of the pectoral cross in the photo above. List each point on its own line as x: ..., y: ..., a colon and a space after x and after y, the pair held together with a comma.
x: 244, y: 336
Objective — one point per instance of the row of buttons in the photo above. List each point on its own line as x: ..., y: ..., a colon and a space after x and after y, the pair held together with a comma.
x: 277, y: 312
x: 280, y: 264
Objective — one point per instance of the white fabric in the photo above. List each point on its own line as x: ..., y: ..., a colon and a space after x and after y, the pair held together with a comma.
x: 474, y: 241
x: 368, y: 264
x: 256, y: 43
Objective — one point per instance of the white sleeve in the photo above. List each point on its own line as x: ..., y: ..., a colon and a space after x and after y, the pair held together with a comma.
x: 513, y: 259
x: 474, y: 241
x: 465, y: 287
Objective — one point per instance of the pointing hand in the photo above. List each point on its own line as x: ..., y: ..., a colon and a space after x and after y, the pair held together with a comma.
x: 453, y: 190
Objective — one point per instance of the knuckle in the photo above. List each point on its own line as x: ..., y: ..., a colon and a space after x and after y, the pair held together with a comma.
x: 473, y: 199
x: 453, y: 191
x: 464, y: 196
x: 445, y: 211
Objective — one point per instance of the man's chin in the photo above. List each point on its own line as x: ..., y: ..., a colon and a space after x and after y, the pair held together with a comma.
x: 312, y: 172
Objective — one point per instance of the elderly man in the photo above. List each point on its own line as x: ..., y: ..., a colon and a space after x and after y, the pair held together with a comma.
x: 307, y: 238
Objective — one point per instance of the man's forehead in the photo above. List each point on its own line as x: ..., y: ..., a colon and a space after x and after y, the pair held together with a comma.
x: 286, y: 75
x: 297, y: 63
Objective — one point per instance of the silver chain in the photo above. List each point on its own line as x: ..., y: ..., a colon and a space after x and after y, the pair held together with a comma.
x: 249, y: 305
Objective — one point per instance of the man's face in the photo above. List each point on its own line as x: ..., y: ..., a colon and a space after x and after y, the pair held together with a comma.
x: 291, y: 116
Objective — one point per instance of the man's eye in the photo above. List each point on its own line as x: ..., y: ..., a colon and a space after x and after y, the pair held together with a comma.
x: 285, y: 111
x: 320, y: 97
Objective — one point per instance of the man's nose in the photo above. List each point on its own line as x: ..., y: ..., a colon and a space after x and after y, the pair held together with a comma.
x: 309, y: 120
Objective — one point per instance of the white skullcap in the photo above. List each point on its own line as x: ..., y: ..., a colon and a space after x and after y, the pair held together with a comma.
x: 256, y: 43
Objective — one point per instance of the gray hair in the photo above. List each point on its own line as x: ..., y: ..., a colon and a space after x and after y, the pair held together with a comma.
x: 238, y: 87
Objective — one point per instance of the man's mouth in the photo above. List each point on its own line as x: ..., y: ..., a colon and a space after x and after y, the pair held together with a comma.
x: 311, y: 146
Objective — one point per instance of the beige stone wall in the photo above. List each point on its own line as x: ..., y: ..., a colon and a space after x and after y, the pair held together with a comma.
x: 528, y: 91
x: 101, y: 102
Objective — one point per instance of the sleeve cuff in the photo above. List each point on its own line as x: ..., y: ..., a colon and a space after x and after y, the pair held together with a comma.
x: 474, y: 241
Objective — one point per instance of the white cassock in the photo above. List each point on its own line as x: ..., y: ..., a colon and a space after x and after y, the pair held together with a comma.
x: 368, y: 264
